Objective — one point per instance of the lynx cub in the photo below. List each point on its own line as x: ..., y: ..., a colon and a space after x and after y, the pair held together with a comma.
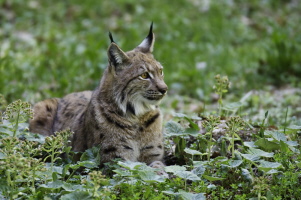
x: 121, y: 115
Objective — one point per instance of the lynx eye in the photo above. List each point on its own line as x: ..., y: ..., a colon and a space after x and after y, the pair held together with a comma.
x: 161, y: 72
x: 145, y: 75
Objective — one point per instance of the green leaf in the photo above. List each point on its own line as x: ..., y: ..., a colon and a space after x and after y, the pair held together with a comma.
x: 130, y: 165
x: 53, y: 185
x: 293, y: 149
x: 2, y: 156
x: 57, y: 169
x: 265, y: 169
x: 220, y: 159
x: 86, y: 163
x: 192, y: 132
x: 237, y: 155
x: 173, y: 129
x: 292, y: 143
x: 266, y: 114
x: 199, y: 170
x: 235, y: 163
x: 123, y: 172
x: 267, y: 145
x: 273, y: 171
x: 72, y: 187
x: 192, y: 124
x: 179, y: 115
x: 276, y: 135
x: 54, y: 176
x: 211, y: 178
x: 77, y: 195
x: 294, y: 127
x: 181, y: 144
x: 258, y: 152
x: 150, y: 176
x: 232, y: 106
x: 247, y: 175
x: 196, y: 163
x: 250, y: 157
x: 211, y: 186
x: 5, y: 131
x: 92, y: 155
x: 171, y: 193
x: 267, y: 164
x: 192, y: 152
x: 283, y: 146
x: 189, y: 119
x: 192, y: 196
x: 194, y: 117
x: 186, y: 195
x: 187, y: 175
x: 230, y: 138
x: 174, y: 168
x: 35, y: 138
x: 250, y: 144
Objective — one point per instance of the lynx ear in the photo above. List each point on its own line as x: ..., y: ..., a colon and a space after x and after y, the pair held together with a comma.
x: 147, y: 44
x: 116, y: 56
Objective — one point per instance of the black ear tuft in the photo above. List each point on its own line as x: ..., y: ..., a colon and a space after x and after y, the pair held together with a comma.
x: 150, y: 34
x: 147, y: 44
x: 111, y: 37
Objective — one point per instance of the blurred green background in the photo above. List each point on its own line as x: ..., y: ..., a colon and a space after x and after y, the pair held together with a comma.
x: 51, y: 48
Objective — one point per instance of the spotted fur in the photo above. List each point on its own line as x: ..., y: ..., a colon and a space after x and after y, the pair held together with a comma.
x: 121, y: 115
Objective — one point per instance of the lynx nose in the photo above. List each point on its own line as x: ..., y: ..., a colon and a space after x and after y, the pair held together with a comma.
x: 163, y: 89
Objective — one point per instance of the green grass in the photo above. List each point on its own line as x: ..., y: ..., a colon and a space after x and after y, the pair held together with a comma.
x: 52, y: 48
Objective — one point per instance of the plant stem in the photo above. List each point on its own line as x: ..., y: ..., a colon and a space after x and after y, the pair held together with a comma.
x: 52, y: 159
x: 10, y: 183
x: 220, y: 102
x: 209, y: 147
x: 232, y: 143
x: 259, y: 195
x: 17, y: 122
x: 262, y: 128
x: 232, y: 140
x: 285, y: 120
x: 33, y: 181
x: 71, y: 174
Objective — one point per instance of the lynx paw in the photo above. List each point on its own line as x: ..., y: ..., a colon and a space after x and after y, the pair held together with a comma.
x: 159, y: 165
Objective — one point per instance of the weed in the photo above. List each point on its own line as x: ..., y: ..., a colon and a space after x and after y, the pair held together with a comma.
x: 18, y: 112
x: 234, y: 125
x: 56, y: 145
x: 221, y: 86
x: 19, y: 167
x: 210, y: 124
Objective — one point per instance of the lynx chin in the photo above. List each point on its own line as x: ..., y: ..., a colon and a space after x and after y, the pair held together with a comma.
x: 121, y: 115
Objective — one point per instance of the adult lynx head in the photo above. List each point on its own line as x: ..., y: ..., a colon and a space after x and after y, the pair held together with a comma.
x: 133, y: 79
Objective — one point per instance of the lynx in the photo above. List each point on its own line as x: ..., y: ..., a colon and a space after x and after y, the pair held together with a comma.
x: 121, y: 115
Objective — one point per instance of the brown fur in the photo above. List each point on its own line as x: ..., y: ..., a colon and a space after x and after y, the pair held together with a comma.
x: 44, y: 116
x: 121, y: 115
